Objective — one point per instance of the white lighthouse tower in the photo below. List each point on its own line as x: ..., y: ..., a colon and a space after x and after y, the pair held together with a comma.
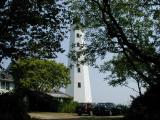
x: 80, y: 87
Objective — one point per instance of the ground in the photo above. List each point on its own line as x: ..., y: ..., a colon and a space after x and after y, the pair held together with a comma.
x: 51, y: 115
x: 69, y: 116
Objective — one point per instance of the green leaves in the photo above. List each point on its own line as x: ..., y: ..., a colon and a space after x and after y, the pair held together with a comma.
x: 127, y: 28
x: 28, y: 27
x: 40, y: 75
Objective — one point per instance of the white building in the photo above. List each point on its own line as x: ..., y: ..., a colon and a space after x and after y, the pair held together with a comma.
x: 6, y: 82
x: 80, y: 87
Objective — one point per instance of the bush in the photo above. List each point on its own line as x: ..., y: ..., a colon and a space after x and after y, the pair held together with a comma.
x: 122, y: 109
x: 68, y: 107
x: 39, y: 101
x: 146, y: 107
x: 12, y: 107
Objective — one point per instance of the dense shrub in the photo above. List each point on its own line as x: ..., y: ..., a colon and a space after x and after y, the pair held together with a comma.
x: 146, y: 107
x: 12, y: 107
x: 122, y: 109
x: 39, y: 101
x: 68, y: 107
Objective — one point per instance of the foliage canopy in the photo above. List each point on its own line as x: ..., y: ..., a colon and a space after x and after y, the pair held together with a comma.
x: 32, y: 28
x: 127, y: 28
x: 39, y: 75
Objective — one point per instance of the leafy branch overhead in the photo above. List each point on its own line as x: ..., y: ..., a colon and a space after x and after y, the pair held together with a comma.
x: 128, y: 29
x: 32, y: 28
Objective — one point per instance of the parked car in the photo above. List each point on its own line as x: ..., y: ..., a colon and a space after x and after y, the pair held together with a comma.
x: 104, y: 109
x: 85, y: 108
x: 121, y: 109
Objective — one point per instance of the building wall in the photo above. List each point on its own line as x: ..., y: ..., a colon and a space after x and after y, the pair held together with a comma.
x: 80, y: 83
x: 6, y: 82
x: 6, y: 85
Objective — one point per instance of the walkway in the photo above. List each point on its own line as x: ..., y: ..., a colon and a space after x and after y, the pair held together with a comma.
x: 69, y: 116
x: 53, y: 116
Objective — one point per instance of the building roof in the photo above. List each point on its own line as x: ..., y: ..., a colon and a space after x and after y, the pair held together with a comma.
x: 59, y: 94
x: 5, y: 76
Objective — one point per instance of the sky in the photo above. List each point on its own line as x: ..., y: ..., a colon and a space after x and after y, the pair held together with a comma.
x: 101, y: 91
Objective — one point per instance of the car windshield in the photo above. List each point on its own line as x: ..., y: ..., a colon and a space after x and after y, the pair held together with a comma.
x: 109, y: 105
x: 100, y: 104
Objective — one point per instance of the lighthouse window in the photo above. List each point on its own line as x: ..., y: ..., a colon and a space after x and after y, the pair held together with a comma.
x: 78, y: 44
x: 78, y: 55
x: 78, y: 35
x: 78, y: 65
x: 79, y: 85
x: 70, y: 66
x: 79, y: 69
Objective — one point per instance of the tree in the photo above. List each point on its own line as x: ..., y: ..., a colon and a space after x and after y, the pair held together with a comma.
x: 13, y: 108
x: 121, y: 74
x: 130, y: 30
x: 32, y: 28
x: 39, y: 75
x: 127, y: 28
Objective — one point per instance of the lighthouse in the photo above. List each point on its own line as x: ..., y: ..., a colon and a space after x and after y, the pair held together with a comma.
x: 79, y: 88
